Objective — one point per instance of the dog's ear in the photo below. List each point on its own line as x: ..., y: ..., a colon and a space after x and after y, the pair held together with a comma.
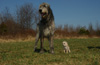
x: 48, y: 5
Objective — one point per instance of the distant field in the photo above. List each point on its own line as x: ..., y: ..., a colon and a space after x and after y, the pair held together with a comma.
x: 83, y: 52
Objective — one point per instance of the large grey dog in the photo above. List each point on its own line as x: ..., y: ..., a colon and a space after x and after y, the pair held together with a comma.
x: 45, y: 28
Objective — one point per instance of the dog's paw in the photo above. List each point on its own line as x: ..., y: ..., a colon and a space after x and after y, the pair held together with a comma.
x: 42, y: 51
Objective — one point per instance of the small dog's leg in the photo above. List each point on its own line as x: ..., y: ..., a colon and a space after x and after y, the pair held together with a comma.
x: 69, y: 50
x: 64, y: 51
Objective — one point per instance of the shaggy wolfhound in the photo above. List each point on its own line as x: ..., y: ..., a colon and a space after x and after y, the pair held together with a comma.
x: 46, y: 27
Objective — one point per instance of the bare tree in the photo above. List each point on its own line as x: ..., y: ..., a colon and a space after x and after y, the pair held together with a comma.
x: 90, y: 28
x: 8, y: 21
x: 71, y: 28
x: 27, y: 16
x: 77, y: 28
x: 66, y: 27
x: 6, y: 15
x: 97, y: 29
x: 0, y: 18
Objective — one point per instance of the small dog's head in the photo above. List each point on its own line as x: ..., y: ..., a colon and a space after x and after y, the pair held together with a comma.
x: 65, y: 43
x: 44, y: 10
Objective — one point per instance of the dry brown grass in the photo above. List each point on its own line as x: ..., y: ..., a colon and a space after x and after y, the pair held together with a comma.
x: 30, y: 38
x: 77, y: 37
x: 20, y: 39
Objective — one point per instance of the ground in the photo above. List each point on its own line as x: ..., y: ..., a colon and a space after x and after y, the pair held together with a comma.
x: 83, y: 52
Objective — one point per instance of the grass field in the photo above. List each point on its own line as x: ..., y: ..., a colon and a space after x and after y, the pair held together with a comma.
x: 83, y: 52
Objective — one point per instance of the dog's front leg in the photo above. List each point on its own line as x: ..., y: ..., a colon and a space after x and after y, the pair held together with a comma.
x: 36, y: 41
x: 41, y: 45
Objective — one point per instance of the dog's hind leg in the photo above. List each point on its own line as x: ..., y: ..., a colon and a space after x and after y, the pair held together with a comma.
x: 51, y: 45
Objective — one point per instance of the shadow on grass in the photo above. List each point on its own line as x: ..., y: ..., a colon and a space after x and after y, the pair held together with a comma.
x: 38, y: 50
x: 4, y: 51
x: 91, y: 47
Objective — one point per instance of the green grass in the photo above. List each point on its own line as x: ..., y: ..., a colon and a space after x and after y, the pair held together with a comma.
x: 83, y: 52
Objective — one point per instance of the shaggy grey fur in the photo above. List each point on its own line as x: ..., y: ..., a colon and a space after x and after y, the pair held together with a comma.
x: 46, y: 27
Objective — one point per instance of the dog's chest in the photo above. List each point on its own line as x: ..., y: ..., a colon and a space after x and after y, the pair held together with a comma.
x: 45, y: 30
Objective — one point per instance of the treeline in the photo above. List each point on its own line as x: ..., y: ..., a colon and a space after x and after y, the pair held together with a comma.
x: 71, y: 31
x: 23, y: 24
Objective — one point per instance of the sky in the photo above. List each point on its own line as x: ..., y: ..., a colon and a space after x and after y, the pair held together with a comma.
x: 71, y: 12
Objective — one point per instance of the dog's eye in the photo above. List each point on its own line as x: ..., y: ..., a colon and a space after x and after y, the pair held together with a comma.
x: 45, y: 6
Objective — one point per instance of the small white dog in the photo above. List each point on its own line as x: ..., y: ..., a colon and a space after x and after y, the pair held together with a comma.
x: 66, y: 47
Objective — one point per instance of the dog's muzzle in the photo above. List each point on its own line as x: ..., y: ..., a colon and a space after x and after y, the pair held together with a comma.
x: 43, y: 14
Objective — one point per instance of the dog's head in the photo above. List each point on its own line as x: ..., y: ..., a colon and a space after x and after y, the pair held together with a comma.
x: 65, y: 43
x: 45, y: 10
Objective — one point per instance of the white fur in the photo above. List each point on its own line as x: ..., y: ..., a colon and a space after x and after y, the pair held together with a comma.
x: 66, y: 47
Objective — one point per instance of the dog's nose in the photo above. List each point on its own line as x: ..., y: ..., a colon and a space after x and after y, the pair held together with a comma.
x: 40, y: 10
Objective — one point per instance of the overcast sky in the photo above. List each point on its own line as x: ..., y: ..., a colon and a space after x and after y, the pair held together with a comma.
x: 71, y: 12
